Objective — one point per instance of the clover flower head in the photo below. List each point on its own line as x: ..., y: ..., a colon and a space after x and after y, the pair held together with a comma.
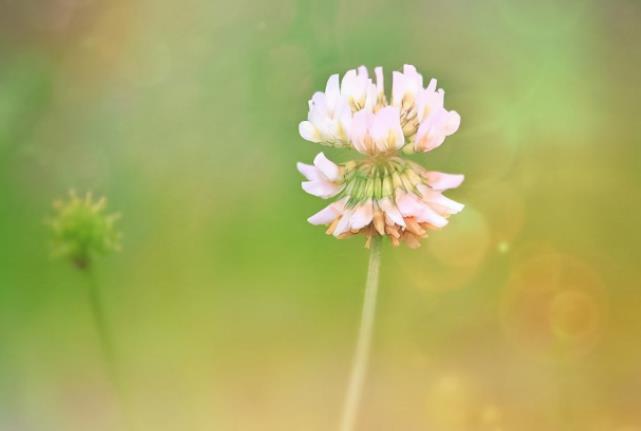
x: 81, y: 229
x: 381, y: 194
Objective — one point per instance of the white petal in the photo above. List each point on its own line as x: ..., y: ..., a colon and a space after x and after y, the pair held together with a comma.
x: 318, y: 106
x: 398, y: 87
x: 344, y: 116
x: 415, y: 78
x: 431, y: 87
x: 332, y: 92
x: 308, y: 131
x: 348, y: 83
x: 371, y: 96
x: 380, y: 87
x: 327, y: 167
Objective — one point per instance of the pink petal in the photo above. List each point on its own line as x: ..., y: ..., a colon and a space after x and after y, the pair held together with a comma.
x: 442, y: 204
x: 391, y: 211
x: 408, y: 204
x: 324, y: 216
x: 362, y: 216
x: 322, y: 189
x: 431, y: 87
x: 343, y: 224
x: 432, y: 217
x: 399, y: 86
x: 310, y: 172
x: 443, y: 181
x: 451, y: 122
x: 359, y: 130
x: 327, y: 167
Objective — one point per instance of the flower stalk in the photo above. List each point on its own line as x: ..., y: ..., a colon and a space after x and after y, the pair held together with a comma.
x: 360, y: 362
x: 382, y: 193
x: 107, y: 346
x: 101, y: 325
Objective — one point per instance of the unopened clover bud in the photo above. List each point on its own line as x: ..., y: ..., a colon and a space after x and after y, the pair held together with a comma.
x: 81, y: 229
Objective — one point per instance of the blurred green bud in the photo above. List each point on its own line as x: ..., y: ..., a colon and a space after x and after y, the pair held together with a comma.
x: 82, y: 230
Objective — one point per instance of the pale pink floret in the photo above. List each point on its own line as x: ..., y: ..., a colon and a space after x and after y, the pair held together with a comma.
x: 343, y: 225
x: 347, y: 220
x: 363, y: 215
x: 380, y: 84
x: 435, y: 122
x: 329, y: 116
x: 442, y: 181
x: 441, y: 204
x: 411, y: 205
x: 358, y: 90
x: 392, y: 213
x: 329, y: 213
x: 438, y: 125
x: 375, y: 133
x: 406, y: 84
x: 324, y: 178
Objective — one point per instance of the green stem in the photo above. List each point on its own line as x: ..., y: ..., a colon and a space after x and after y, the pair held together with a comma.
x: 106, y: 344
x: 100, y: 321
x: 361, y: 355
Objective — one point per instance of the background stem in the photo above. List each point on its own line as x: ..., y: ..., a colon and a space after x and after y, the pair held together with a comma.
x: 100, y: 321
x: 361, y: 355
x: 106, y: 343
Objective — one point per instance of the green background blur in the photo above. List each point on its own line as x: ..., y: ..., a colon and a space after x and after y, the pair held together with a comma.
x: 230, y: 311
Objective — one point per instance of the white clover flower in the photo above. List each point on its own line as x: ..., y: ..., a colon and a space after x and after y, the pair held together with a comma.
x: 382, y: 194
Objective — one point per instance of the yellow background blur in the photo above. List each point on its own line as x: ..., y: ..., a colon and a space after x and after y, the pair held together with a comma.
x: 230, y: 311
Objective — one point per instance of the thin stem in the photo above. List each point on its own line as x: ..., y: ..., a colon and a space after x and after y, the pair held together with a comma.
x: 361, y: 355
x: 100, y: 321
x: 106, y: 343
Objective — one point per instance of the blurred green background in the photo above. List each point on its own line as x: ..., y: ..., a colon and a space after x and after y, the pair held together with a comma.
x: 230, y: 311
